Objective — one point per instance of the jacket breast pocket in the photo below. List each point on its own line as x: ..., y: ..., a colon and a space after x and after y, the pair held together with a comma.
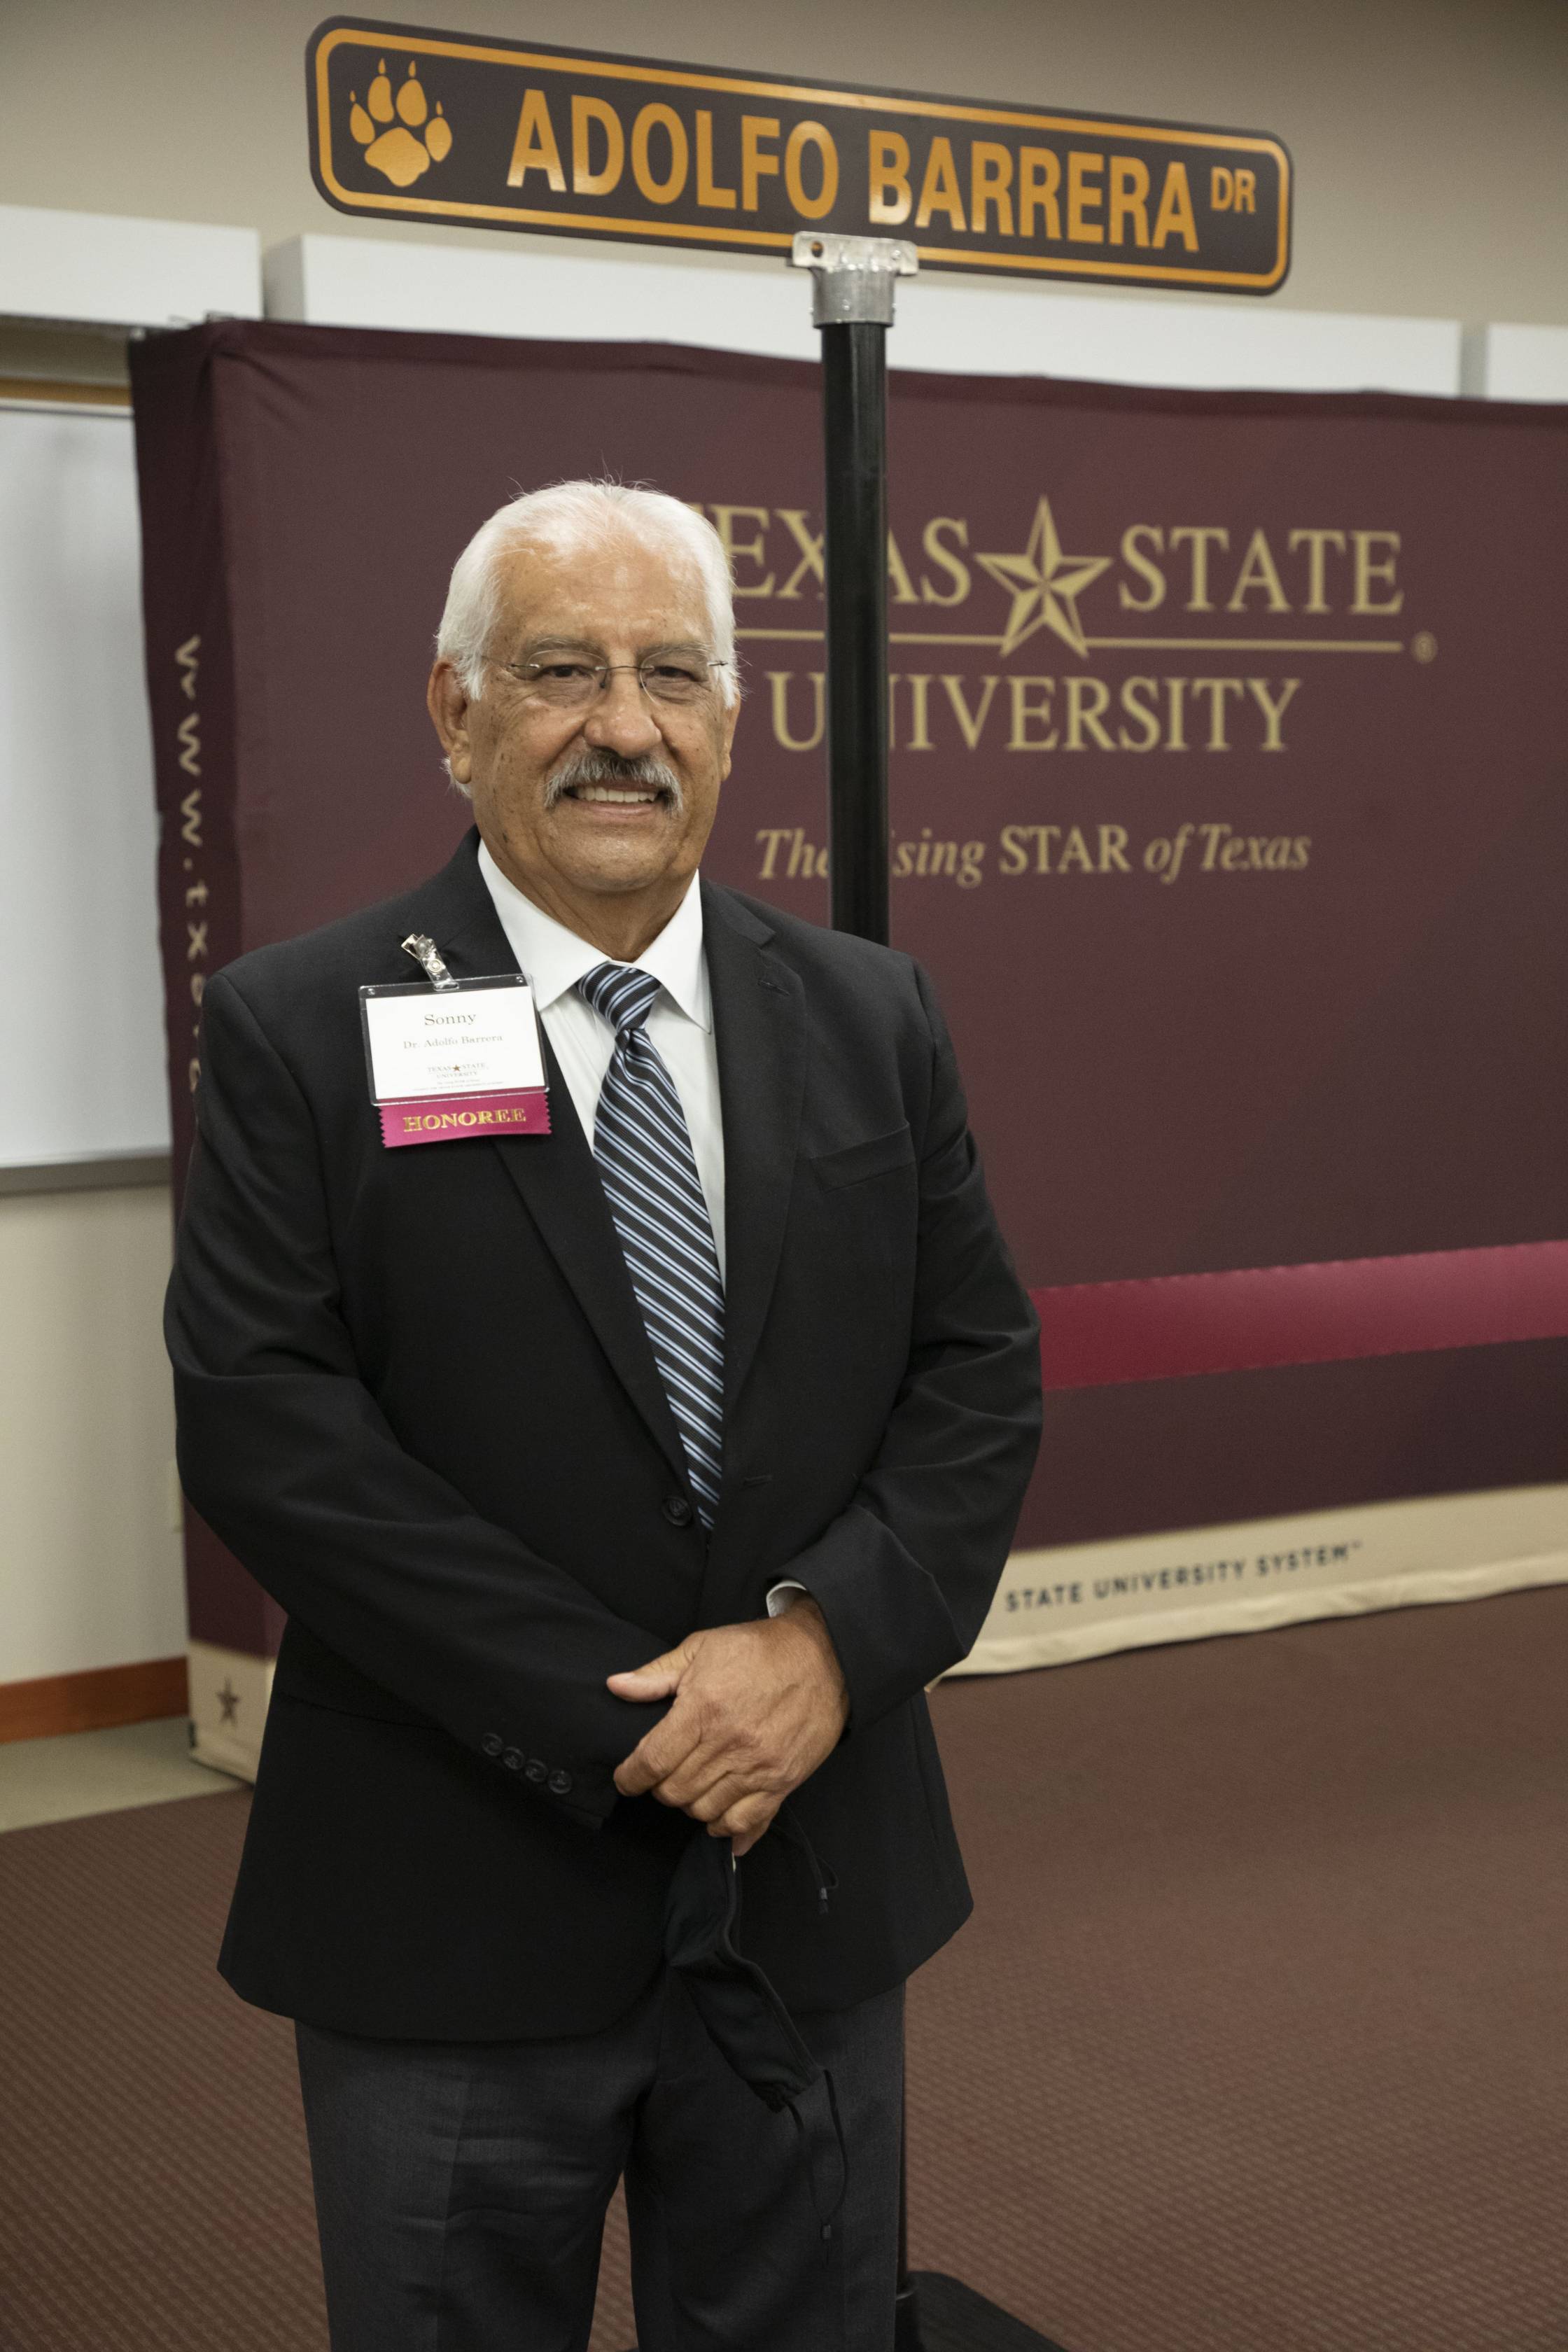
x: 856, y: 1163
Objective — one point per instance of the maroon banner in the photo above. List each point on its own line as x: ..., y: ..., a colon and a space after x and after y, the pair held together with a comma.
x: 1229, y: 792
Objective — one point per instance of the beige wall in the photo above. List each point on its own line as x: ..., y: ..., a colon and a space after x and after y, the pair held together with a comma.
x: 1429, y: 135
x: 89, y: 1550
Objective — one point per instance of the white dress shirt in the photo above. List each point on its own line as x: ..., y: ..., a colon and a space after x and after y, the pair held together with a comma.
x: 679, y: 1024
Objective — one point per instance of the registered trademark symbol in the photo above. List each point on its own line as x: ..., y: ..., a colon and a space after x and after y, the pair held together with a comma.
x: 1424, y: 646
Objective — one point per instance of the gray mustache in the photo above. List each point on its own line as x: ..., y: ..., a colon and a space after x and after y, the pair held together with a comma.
x: 591, y: 767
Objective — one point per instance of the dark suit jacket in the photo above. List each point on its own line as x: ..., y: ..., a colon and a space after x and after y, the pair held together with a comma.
x: 416, y: 1399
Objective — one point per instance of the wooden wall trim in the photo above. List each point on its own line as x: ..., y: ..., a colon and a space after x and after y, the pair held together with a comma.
x: 49, y: 390
x: 88, y: 1172
x: 94, y: 1700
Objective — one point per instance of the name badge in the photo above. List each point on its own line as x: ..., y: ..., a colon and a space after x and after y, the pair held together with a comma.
x: 459, y: 1060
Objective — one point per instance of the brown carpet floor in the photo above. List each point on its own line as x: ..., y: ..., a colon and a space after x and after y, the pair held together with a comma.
x: 1255, y: 2044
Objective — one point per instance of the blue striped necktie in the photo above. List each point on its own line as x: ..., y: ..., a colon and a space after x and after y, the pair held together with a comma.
x: 643, y: 1149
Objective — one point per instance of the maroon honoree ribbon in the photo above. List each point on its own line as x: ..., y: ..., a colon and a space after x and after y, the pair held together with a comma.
x: 444, y: 1118
x: 1093, y: 1334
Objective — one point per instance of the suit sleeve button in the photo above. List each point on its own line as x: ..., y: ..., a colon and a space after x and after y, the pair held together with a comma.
x: 493, y: 1743
x: 512, y: 1759
x: 536, y: 1768
x: 560, y: 1784
x: 677, y: 1511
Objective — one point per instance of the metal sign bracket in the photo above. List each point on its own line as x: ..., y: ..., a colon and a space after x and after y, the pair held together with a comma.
x: 854, y: 277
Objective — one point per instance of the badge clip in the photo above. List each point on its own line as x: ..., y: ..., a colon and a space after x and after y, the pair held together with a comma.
x: 427, y: 956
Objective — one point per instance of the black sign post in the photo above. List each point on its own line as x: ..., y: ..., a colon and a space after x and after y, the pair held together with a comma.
x: 853, y: 282
x: 475, y: 130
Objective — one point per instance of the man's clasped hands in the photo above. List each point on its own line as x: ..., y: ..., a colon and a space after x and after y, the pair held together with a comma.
x: 757, y: 1709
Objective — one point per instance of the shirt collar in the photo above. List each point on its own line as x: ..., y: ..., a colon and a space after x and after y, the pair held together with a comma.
x: 554, y: 959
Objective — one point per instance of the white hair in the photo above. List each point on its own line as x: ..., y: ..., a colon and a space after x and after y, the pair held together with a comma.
x: 577, y: 514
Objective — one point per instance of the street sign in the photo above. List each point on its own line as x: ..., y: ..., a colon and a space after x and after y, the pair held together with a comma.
x: 490, y: 133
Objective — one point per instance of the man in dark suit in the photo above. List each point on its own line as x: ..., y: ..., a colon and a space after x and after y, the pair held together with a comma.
x: 625, y: 1485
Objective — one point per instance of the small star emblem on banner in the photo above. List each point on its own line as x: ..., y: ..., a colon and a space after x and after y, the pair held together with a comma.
x: 1046, y: 585
x: 229, y: 1699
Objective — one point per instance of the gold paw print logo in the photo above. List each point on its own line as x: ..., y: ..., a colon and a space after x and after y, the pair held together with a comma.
x: 400, y: 136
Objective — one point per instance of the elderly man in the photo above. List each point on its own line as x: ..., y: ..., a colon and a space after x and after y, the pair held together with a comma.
x: 624, y: 1483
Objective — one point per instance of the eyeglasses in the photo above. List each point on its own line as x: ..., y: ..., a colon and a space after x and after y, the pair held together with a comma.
x: 567, y: 685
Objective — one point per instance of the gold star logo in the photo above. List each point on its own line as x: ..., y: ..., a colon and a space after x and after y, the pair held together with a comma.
x: 1046, y: 585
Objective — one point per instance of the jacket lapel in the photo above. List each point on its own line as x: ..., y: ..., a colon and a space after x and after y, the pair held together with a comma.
x: 554, y: 1174
x: 559, y: 1186
x: 759, y: 1022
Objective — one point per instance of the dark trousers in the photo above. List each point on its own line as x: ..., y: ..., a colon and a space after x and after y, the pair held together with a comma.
x: 461, y: 2187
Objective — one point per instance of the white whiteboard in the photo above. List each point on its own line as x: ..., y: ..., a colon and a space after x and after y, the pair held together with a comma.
x: 81, y: 1061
